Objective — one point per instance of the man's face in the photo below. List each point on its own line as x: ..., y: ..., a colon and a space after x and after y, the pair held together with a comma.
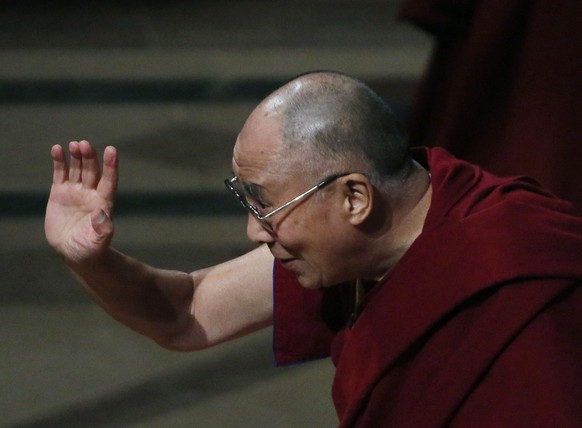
x: 309, y: 238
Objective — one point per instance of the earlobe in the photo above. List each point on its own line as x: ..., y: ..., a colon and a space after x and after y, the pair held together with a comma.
x: 358, y: 198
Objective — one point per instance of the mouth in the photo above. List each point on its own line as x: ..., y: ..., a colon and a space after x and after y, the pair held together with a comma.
x: 284, y: 259
x: 288, y: 262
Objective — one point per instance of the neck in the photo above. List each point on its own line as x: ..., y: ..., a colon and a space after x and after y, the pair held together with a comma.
x: 409, y: 211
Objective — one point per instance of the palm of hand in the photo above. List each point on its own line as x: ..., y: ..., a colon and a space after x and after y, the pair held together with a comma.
x: 77, y: 222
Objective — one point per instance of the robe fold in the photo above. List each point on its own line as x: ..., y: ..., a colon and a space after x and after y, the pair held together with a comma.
x: 503, y: 88
x: 478, y: 325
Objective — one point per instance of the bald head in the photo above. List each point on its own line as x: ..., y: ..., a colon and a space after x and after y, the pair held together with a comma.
x: 325, y: 124
x: 332, y: 121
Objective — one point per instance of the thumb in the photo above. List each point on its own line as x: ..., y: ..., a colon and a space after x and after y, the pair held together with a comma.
x: 102, y: 225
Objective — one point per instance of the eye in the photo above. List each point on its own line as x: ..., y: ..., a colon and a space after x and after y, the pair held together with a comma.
x: 258, y: 204
x: 262, y: 207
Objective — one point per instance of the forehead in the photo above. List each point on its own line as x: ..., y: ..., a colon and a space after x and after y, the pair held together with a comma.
x: 259, y: 144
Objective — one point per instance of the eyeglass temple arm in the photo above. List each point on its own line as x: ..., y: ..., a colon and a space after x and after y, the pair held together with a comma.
x: 305, y: 194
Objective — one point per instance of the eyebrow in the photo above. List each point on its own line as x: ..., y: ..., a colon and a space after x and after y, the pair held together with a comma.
x: 253, y: 190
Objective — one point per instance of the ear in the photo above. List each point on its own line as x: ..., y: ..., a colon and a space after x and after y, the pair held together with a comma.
x: 358, y: 193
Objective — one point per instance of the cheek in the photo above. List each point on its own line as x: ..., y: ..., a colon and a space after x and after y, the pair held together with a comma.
x: 295, y: 230
x: 310, y: 234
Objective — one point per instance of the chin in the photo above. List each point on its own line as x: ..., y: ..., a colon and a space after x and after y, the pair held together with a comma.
x: 308, y: 282
x: 311, y: 283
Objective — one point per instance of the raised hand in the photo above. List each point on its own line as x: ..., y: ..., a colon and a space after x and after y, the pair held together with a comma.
x: 78, y: 215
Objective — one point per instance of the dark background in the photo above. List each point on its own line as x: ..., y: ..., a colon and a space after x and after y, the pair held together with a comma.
x: 170, y: 84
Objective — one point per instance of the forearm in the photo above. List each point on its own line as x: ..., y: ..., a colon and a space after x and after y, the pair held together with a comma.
x: 153, y: 302
x: 182, y: 311
x: 185, y: 311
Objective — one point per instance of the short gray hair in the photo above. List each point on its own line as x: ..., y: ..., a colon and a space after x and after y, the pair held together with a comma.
x: 344, y: 124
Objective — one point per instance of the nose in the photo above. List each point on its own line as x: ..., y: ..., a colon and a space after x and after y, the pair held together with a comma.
x: 256, y: 232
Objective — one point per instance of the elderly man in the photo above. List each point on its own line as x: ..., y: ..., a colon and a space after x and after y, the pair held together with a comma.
x: 445, y: 295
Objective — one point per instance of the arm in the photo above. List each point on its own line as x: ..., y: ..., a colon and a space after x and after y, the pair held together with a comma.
x: 178, y: 310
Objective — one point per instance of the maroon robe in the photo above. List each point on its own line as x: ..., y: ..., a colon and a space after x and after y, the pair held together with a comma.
x: 504, y: 87
x: 478, y: 325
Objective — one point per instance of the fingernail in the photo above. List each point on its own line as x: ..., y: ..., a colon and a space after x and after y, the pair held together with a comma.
x: 101, y: 217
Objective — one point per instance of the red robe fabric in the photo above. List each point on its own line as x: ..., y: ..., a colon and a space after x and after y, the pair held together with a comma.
x: 504, y: 87
x: 478, y: 325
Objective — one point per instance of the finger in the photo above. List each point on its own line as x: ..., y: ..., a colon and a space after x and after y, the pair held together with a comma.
x: 75, y: 169
x: 90, y: 172
x: 108, y: 184
x: 102, y: 225
x: 60, y: 167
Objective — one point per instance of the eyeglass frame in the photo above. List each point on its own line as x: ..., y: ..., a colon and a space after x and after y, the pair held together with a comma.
x: 262, y: 219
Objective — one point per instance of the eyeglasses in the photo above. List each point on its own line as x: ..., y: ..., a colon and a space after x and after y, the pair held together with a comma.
x: 230, y: 184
